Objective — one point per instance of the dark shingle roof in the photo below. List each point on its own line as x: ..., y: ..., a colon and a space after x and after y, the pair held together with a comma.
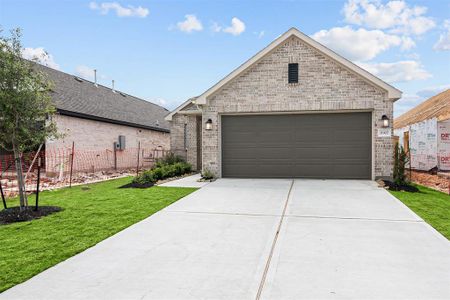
x: 79, y: 97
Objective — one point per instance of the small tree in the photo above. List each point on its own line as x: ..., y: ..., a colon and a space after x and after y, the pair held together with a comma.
x: 25, y: 105
x: 400, y: 161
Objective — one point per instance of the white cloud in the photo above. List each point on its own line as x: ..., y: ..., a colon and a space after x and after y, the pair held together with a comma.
x: 360, y: 44
x: 121, y: 11
x: 88, y: 73
x: 85, y: 72
x: 41, y: 56
x: 216, y: 27
x: 170, y: 104
x: 260, y: 34
x: 405, y: 103
x: 407, y: 43
x: 433, y: 90
x: 409, y: 101
x: 396, y: 16
x: 237, y: 27
x: 443, y: 44
x: 400, y: 71
x: 191, y: 23
x: 413, y: 56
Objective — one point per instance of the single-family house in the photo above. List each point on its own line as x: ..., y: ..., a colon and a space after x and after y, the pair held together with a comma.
x: 94, y: 115
x: 424, y: 132
x: 295, y: 109
x: 101, y: 122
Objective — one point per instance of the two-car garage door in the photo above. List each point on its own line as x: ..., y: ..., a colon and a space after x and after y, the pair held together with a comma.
x: 327, y: 145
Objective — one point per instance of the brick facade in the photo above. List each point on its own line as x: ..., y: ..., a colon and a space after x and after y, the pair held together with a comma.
x: 185, y: 147
x: 324, y: 85
x: 95, y: 135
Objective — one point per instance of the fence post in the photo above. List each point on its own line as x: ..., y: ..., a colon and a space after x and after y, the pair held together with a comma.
x: 115, y: 157
x: 138, y: 152
x: 37, y: 183
x: 3, y: 195
x: 71, y: 164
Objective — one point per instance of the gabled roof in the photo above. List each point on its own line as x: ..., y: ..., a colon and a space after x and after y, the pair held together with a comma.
x: 79, y: 97
x: 437, y: 107
x: 393, y: 93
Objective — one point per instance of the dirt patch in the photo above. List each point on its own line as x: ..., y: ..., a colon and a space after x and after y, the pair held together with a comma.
x: 137, y: 185
x: 440, y: 182
x: 13, y: 214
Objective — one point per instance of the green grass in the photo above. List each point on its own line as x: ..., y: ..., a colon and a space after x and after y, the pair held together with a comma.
x: 430, y: 205
x: 89, y: 216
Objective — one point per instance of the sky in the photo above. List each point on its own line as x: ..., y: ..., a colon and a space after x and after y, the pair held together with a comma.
x: 168, y: 51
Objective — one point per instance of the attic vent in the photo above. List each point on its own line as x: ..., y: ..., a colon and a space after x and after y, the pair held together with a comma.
x: 293, y: 73
x: 122, y: 94
x: 78, y: 79
x: 157, y: 123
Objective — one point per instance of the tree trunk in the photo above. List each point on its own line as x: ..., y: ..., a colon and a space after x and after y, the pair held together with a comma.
x: 20, y: 181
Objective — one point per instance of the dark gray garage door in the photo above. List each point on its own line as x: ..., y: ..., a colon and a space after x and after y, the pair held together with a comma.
x: 303, y: 145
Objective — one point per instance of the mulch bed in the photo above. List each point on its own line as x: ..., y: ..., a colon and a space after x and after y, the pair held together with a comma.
x: 13, y: 214
x: 137, y: 185
x: 395, y: 187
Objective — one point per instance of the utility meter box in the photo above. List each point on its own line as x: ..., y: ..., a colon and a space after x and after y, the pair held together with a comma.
x: 121, y: 142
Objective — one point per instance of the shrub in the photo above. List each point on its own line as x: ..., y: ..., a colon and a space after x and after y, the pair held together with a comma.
x: 162, y: 172
x: 169, y: 159
x: 207, y: 174
x: 400, y: 162
x: 158, y: 173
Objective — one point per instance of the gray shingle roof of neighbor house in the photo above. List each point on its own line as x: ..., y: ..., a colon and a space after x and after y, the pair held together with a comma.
x: 81, y: 98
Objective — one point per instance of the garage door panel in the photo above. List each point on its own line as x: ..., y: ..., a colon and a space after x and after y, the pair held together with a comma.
x: 312, y: 171
x: 313, y: 136
x: 311, y: 153
x: 351, y: 136
x: 347, y: 171
x: 275, y: 138
x: 308, y: 146
x: 279, y: 171
x: 274, y: 153
x: 351, y: 153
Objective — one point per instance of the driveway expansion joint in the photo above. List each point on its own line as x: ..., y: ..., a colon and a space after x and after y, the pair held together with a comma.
x: 223, y: 213
x: 354, y: 218
x: 274, y: 242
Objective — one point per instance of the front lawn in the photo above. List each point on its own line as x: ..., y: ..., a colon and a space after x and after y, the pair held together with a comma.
x: 430, y: 205
x: 91, y: 214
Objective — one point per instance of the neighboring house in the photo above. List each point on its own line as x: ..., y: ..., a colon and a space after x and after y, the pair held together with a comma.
x: 424, y: 131
x: 295, y: 109
x: 93, y: 117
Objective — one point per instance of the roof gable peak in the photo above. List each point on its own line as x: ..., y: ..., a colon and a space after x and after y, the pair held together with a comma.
x: 393, y: 93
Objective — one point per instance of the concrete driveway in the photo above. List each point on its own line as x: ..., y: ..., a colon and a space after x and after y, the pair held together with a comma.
x: 262, y: 239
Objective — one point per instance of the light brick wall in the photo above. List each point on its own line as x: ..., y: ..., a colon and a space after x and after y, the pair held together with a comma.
x: 95, y: 135
x: 188, y: 151
x: 324, y: 85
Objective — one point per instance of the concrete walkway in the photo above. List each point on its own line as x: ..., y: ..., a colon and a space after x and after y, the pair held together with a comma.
x: 188, y: 181
x: 267, y: 239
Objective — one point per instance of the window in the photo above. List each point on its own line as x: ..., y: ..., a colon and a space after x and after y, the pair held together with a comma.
x: 293, y: 73
x: 185, y: 136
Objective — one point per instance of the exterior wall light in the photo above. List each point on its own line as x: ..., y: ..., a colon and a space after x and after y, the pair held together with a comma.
x: 208, y: 124
x: 385, y: 120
